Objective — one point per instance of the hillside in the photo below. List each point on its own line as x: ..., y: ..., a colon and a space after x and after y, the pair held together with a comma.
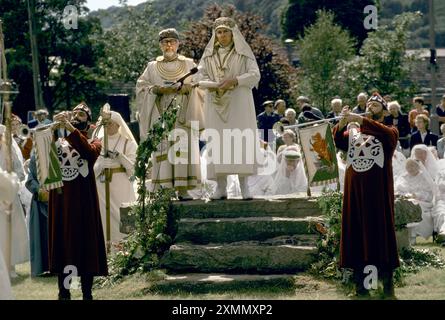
x: 184, y: 11
x: 420, y: 38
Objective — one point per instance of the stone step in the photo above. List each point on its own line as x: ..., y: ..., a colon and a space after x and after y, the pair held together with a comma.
x: 264, y: 207
x: 251, y: 258
x: 202, y: 283
x: 225, y: 230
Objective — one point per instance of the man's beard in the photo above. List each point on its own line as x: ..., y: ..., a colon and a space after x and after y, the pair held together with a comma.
x: 377, y: 116
x: 79, y: 125
x: 169, y: 55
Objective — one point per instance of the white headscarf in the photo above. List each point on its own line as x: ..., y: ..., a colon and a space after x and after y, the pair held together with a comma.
x: 295, y: 181
x: 430, y: 162
x: 405, y: 181
x: 241, y: 46
x: 124, y: 130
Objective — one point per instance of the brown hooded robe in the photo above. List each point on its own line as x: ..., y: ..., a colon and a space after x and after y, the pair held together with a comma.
x: 368, y: 234
x: 75, y: 228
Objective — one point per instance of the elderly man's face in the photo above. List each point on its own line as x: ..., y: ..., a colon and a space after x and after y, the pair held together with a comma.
x: 361, y: 100
x: 169, y: 47
x: 224, y: 36
x: 393, y: 110
x: 336, y: 107
x: 291, y: 117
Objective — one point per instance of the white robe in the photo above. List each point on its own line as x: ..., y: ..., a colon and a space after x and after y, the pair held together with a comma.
x: 8, y: 188
x: 19, y: 236
x: 235, y: 109
x: 150, y: 106
x: 424, y: 196
x: 439, y: 209
x: 121, y: 188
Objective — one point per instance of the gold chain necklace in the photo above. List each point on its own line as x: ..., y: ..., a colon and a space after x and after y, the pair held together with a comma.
x: 171, y: 70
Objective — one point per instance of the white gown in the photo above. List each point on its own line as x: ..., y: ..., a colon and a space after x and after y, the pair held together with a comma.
x: 439, y: 209
x: 8, y: 188
x: 289, y: 180
x: 121, y: 188
x: 19, y: 236
x: 424, y: 190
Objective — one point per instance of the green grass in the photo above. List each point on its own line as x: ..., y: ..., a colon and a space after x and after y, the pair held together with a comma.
x: 427, y: 284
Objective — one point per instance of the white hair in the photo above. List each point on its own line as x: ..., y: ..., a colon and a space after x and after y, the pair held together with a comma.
x: 336, y: 101
x: 394, y: 103
x: 362, y: 94
x: 290, y: 111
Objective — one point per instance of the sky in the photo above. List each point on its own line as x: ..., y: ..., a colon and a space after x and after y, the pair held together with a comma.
x: 103, y: 4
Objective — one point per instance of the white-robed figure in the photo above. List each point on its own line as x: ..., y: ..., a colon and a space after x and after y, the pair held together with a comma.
x: 122, y: 149
x: 398, y: 164
x: 20, y: 239
x: 417, y: 183
x: 9, y: 186
x: 156, y: 89
x: 439, y: 208
x: 229, y: 73
x: 290, y: 177
x: 422, y: 153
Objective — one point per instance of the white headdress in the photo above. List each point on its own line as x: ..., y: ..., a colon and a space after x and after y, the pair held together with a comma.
x: 124, y: 130
x: 241, y: 46
x: 430, y: 162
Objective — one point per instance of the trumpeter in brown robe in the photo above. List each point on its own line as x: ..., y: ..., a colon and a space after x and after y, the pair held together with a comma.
x: 75, y: 228
x: 368, y: 234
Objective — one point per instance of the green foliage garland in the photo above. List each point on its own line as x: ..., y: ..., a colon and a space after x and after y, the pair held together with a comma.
x: 155, y: 217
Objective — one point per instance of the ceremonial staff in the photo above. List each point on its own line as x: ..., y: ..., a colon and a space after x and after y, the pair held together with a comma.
x: 5, y: 91
x: 106, y: 117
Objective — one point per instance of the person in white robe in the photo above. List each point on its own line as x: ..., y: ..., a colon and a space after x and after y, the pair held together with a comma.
x: 439, y: 208
x: 9, y: 186
x: 122, y: 149
x: 417, y: 184
x: 398, y: 164
x: 156, y: 90
x: 229, y: 72
x: 290, y: 177
x: 19, y: 237
x: 423, y: 153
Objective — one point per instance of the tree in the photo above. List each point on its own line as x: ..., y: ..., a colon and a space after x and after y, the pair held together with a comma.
x: 277, y: 76
x: 383, y: 64
x: 130, y: 45
x: 300, y: 14
x: 323, y: 47
x: 67, y: 57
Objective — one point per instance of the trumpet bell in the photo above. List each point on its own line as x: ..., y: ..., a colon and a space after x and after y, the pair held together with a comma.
x: 24, y: 132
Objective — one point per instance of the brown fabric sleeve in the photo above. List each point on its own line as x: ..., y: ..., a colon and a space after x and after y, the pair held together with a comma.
x: 88, y: 150
x: 341, y: 141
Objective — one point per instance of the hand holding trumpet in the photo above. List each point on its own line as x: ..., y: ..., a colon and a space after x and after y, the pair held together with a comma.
x: 348, y: 117
x: 62, y: 121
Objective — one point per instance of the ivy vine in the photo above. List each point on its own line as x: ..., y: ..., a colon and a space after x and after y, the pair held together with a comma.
x: 155, y: 219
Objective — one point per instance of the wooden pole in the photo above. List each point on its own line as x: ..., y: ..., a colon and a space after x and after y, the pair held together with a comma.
x: 38, y: 99
x: 435, y: 125
x: 106, y: 115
